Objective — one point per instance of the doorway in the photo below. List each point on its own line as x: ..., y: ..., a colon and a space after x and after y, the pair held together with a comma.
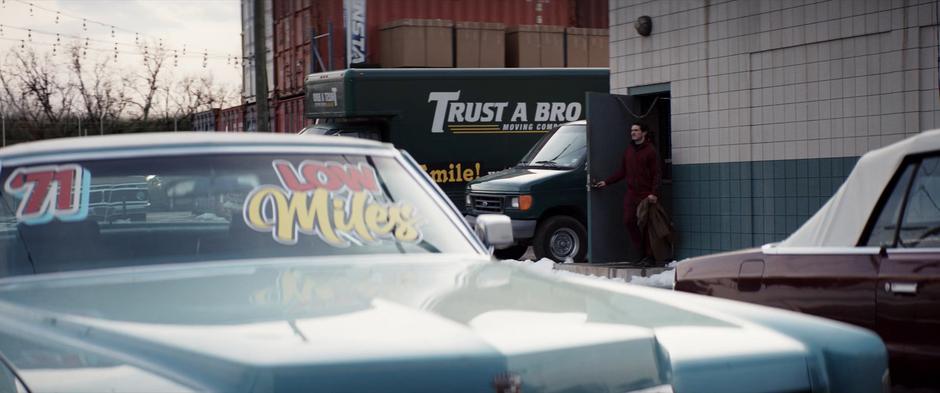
x: 609, y: 116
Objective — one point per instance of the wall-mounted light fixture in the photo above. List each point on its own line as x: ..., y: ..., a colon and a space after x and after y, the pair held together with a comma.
x: 643, y: 25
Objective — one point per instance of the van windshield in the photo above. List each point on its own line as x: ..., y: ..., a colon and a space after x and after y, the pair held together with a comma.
x: 564, y: 147
x: 355, y: 130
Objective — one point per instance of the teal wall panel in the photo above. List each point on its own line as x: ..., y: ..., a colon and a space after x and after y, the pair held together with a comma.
x: 728, y: 206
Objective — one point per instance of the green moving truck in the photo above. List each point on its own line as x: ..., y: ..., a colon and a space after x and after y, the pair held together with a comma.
x: 458, y: 124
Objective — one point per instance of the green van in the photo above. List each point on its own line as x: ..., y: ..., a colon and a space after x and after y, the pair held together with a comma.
x: 544, y: 195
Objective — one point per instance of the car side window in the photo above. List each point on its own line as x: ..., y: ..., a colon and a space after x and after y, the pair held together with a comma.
x: 882, y: 233
x: 921, y: 224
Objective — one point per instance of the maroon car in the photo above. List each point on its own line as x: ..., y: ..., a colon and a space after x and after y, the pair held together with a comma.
x: 869, y: 257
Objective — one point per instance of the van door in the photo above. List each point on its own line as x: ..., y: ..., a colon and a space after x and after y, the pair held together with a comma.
x: 609, y: 117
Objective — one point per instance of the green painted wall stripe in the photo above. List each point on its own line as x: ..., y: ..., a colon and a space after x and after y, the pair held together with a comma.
x: 728, y: 206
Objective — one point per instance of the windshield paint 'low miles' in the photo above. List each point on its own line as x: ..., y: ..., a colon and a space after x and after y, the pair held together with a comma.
x: 125, y: 212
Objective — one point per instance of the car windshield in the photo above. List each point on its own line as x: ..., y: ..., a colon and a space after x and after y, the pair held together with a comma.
x: 80, y: 215
x: 564, y: 147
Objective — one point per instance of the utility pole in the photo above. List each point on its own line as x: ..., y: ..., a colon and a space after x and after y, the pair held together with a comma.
x: 261, y: 70
x: 101, y: 123
x: 3, y: 120
x: 329, y: 45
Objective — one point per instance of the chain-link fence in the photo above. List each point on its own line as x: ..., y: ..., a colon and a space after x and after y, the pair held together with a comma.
x: 19, y: 130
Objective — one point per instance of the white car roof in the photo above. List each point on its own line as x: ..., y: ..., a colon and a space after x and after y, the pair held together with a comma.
x: 841, y: 221
x: 180, y: 139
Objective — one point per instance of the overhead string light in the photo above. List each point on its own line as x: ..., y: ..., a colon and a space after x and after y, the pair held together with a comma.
x: 30, y: 10
x: 114, y: 43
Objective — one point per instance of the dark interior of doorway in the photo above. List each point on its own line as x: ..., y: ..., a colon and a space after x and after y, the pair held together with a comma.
x: 655, y: 113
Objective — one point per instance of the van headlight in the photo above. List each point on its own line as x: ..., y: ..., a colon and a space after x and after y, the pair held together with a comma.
x: 521, y: 202
x: 467, y: 199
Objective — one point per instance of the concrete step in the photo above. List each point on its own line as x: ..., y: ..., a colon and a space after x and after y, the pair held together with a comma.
x: 624, y: 271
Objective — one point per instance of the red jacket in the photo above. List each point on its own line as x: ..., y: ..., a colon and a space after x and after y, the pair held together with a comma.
x: 640, y: 166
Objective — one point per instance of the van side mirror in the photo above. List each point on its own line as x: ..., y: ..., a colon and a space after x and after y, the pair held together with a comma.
x: 495, y: 230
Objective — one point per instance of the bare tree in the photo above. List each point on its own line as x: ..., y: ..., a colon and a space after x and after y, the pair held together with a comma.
x: 45, y: 97
x: 102, y: 94
x: 148, y: 84
x: 195, y: 94
x: 36, y: 86
x: 14, y: 100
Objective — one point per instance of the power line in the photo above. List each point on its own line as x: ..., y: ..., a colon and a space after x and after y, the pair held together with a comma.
x: 114, y: 28
x: 30, y: 31
x: 24, y: 42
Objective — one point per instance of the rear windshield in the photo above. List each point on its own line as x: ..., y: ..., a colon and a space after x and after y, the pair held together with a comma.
x: 125, y: 212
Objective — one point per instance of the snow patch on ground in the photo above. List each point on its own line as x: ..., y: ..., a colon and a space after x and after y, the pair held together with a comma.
x: 666, y: 279
x: 547, y: 266
x: 661, y: 280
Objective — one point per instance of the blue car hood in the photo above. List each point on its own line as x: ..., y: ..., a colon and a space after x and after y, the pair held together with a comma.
x: 385, y: 323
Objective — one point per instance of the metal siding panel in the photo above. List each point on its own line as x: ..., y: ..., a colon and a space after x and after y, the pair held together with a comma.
x: 592, y: 14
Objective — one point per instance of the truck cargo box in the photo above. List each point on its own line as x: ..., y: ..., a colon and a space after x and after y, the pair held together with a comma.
x: 459, y: 124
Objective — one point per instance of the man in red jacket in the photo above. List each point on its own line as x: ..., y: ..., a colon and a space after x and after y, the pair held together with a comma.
x: 640, y: 167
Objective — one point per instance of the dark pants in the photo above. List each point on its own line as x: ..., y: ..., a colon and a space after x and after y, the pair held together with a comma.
x: 640, y: 239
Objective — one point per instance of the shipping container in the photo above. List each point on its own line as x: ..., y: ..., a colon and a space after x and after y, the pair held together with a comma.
x: 206, y: 120
x: 232, y: 119
x: 251, y: 115
x: 296, y: 21
x: 289, y: 115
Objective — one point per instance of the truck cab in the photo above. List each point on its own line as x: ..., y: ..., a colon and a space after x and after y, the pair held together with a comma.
x: 543, y: 194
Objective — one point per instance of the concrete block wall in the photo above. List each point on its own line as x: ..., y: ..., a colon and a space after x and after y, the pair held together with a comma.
x: 781, y: 84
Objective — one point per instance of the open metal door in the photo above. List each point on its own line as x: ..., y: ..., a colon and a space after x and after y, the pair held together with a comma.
x: 608, y: 124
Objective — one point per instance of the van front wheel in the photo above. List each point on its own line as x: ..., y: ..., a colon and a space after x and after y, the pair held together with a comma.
x: 560, y: 238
